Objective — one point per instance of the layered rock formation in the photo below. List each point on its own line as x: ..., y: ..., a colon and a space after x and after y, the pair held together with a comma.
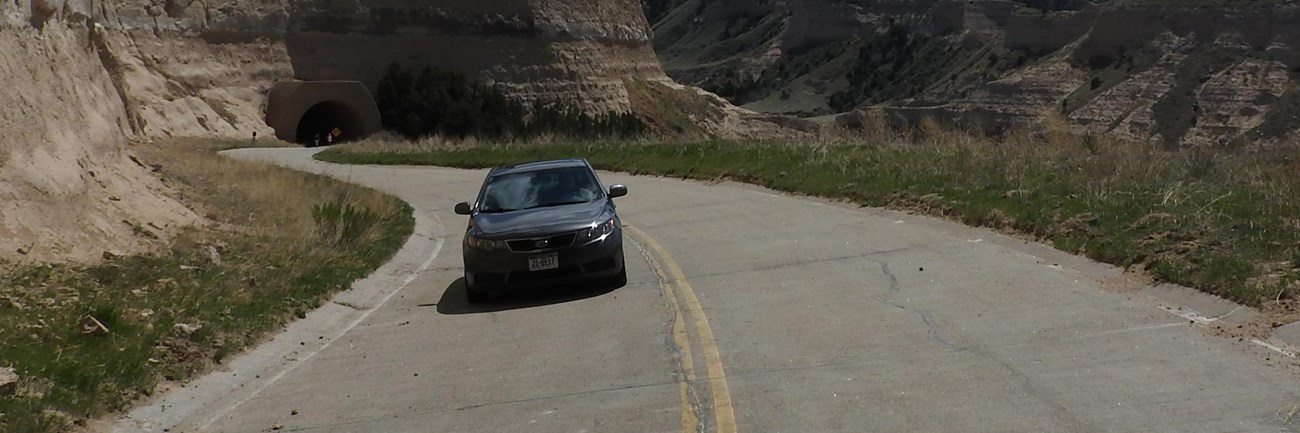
x: 577, y: 51
x: 1169, y: 72
x: 87, y: 76
x: 214, y: 61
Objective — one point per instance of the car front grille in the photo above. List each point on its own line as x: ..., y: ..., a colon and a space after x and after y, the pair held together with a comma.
x: 536, y: 244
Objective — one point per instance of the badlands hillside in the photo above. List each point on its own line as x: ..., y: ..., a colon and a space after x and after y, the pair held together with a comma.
x: 83, y: 78
x: 1174, y: 72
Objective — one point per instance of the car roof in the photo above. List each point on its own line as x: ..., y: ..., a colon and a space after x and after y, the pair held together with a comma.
x: 539, y: 165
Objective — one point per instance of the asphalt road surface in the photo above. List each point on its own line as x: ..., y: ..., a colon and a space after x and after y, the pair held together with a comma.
x: 745, y: 311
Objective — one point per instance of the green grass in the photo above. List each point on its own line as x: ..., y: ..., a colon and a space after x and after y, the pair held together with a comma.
x: 1228, y: 225
x: 91, y: 339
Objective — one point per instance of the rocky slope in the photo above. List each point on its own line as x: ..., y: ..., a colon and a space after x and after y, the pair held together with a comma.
x: 1172, y: 72
x: 84, y: 77
x: 68, y: 187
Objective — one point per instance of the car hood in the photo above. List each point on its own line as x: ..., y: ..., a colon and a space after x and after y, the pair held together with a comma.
x: 541, y: 221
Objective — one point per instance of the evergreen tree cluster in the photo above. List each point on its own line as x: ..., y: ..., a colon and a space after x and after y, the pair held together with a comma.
x: 438, y: 102
x: 880, y: 73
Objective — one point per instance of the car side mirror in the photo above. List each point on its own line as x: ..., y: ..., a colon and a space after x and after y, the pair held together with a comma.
x: 617, y: 191
x: 463, y: 208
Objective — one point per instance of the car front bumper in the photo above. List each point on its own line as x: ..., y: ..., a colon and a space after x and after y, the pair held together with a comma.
x: 502, y: 268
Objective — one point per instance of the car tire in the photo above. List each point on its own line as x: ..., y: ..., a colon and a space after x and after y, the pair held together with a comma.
x: 475, y: 294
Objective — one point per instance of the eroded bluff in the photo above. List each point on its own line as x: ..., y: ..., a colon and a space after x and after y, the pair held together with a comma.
x: 83, y: 77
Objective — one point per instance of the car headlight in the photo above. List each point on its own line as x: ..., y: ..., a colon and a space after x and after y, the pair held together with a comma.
x: 485, y: 244
x: 599, y: 230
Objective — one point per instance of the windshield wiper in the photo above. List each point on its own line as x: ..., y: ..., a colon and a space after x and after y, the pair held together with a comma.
x: 496, y: 210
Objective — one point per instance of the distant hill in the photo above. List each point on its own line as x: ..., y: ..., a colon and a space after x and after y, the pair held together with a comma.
x: 1176, y: 72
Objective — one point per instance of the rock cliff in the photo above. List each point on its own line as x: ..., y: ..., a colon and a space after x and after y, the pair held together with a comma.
x: 194, y: 67
x: 89, y: 76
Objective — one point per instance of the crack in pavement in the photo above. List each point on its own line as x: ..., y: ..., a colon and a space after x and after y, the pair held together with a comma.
x: 678, y: 345
x: 1024, y: 382
x: 933, y: 333
x: 894, y: 286
x: 675, y: 285
x: 926, y: 317
x: 693, y: 395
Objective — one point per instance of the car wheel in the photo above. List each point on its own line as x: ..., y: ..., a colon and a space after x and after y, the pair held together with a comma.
x: 475, y: 294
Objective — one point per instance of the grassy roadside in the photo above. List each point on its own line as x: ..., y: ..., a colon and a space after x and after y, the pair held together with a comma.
x: 88, y: 340
x: 1225, y: 224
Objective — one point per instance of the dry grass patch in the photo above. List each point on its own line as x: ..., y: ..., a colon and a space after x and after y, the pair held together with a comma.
x: 254, y: 197
x: 87, y: 340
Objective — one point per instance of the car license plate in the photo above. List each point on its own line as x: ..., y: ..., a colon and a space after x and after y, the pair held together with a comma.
x: 544, y: 262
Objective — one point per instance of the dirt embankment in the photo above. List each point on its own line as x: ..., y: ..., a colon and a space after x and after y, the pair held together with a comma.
x: 69, y: 189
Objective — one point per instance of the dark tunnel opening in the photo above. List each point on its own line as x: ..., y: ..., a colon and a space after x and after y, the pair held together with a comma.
x: 329, y: 118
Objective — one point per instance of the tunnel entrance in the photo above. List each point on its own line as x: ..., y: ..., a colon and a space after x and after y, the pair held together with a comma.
x: 301, y: 111
x: 329, y: 118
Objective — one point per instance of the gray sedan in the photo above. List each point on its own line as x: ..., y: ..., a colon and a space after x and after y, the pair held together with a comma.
x: 542, y: 223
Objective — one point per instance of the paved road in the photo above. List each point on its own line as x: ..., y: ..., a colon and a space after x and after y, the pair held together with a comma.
x: 745, y: 311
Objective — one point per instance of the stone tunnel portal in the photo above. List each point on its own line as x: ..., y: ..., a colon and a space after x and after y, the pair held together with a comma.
x: 305, y: 112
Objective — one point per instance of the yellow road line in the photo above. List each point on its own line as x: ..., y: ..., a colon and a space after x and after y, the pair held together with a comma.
x: 723, y: 413
x: 690, y: 421
x: 681, y: 339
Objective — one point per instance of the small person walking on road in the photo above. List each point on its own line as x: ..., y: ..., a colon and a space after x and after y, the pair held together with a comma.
x: 329, y: 138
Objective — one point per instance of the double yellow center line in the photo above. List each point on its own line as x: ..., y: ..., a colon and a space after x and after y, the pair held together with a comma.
x: 682, y: 300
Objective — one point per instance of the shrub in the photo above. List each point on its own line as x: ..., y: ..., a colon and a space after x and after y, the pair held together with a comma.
x: 343, y: 224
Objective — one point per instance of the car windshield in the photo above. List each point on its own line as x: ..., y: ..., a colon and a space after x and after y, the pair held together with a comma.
x: 542, y: 188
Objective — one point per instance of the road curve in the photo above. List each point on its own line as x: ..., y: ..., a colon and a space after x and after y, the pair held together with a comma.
x: 745, y: 311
